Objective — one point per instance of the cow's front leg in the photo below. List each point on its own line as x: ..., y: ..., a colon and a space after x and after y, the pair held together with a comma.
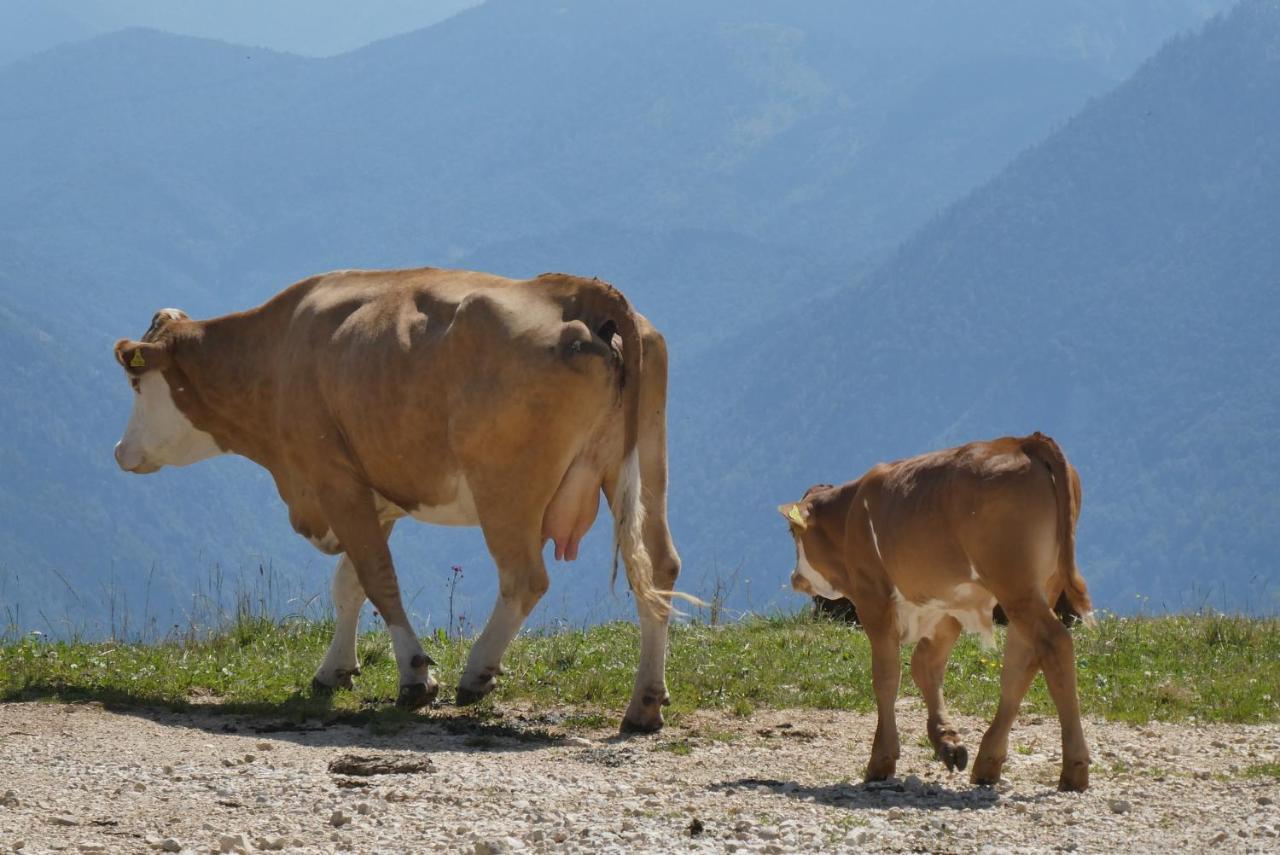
x: 522, y: 580
x: 364, y: 540
x: 340, y: 663
x: 886, y: 674
x: 928, y: 668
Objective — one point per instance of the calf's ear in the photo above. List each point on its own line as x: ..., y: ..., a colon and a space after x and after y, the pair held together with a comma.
x: 139, y: 357
x: 796, y: 514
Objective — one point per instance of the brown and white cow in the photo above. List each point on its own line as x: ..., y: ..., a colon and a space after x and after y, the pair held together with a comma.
x: 926, y: 547
x: 453, y: 397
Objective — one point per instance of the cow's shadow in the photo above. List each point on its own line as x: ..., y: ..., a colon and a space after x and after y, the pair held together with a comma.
x: 878, y: 795
x: 312, y: 720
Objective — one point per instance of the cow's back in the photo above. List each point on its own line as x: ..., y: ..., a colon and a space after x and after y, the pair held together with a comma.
x: 939, y: 518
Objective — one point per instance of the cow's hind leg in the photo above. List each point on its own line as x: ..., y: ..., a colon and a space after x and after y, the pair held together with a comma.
x: 1020, y: 665
x: 340, y: 663
x: 928, y: 668
x: 649, y: 696
x: 522, y: 580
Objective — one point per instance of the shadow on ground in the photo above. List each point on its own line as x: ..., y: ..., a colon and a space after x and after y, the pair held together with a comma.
x: 876, y: 795
x: 311, y: 720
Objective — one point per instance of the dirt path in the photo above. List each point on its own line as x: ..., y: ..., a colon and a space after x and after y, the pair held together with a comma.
x: 78, y: 778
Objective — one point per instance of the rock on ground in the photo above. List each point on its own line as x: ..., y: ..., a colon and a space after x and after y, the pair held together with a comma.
x: 80, y: 778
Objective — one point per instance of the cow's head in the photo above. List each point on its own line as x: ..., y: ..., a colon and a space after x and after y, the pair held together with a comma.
x: 158, y: 433
x: 819, y: 565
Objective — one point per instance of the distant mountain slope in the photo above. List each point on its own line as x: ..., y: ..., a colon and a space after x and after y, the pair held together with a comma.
x: 1116, y: 287
x: 30, y: 26
x: 714, y: 159
x: 306, y: 27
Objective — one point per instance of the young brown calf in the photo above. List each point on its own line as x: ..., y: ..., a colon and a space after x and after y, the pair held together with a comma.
x: 927, y: 547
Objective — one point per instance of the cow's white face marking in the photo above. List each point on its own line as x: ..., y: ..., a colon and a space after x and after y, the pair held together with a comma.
x: 817, y: 582
x: 158, y: 433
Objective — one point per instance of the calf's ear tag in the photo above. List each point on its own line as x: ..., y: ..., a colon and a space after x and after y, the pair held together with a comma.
x: 137, y: 361
x: 793, y: 513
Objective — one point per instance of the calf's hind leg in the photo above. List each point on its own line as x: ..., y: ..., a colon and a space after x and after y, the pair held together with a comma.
x: 1018, y: 671
x: 928, y: 669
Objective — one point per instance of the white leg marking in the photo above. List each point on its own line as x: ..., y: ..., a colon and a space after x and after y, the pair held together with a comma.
x: 348, y: 598
x: 486, y: 654
x: 407, y: 647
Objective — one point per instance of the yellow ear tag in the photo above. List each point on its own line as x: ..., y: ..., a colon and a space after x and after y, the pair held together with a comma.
x: 137, y: 361
x: 793, y: 513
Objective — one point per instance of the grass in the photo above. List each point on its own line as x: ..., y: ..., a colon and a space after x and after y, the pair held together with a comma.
x: 1177, y: 668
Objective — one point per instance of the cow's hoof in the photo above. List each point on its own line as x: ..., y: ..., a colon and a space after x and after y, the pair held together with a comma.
x: 954, y: 756
x: 986, y: 772
x: 630, y: 725
x: 1075, y: 778
x: 880, y: 770
x: 468, y: 695
x: 321, y: 690
x: 414, y: 696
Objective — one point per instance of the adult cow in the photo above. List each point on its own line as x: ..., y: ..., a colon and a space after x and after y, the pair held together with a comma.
x: 926, y: 547
x: 454, y: 397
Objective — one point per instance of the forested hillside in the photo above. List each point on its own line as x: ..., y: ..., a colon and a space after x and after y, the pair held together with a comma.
x: 722, y: 162
x: 1115, y: 287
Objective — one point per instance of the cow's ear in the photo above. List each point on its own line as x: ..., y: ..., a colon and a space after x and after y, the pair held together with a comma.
x: 139, y: 357
x: 796, y: 514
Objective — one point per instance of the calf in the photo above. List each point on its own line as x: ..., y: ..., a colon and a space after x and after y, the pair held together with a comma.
x: 929, y: 546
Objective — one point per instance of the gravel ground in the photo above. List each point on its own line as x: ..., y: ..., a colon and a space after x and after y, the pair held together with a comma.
x: 80, y: 778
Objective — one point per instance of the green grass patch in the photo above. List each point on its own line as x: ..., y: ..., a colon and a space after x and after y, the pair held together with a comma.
x: 1263, y: 770
x: 1210, y: 668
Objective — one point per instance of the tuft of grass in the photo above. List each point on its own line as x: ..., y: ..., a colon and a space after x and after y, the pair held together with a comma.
x: 1184, y: 667
x: 1262, y: 770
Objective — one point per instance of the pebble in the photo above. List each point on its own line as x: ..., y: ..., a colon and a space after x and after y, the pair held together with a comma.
x: 338, y: 819
x: 1119, y: 806
x: 232, y: 843
x: 170, y: 844
x: 64, y: 820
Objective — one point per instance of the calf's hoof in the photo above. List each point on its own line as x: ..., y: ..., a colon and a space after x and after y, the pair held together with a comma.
x: 986, y: 771
x: 414, y: 696
x: 954, y: 756
x: 321, y: 690
x: 1075, y: 778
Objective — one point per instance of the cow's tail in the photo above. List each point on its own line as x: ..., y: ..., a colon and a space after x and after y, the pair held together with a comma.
x: 1069, y: 581
x: 628, y: 504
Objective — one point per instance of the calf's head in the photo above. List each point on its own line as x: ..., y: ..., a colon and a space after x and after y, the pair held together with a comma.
x: 819, y: 567
x: 159, y: 433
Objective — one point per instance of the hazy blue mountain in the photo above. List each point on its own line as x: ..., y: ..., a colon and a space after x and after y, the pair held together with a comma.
x: 1114, y: 287
x: 722, y: 162
x: 306, y: 27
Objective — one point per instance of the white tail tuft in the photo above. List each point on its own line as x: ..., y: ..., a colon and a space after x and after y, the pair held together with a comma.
x: 628, y: 540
